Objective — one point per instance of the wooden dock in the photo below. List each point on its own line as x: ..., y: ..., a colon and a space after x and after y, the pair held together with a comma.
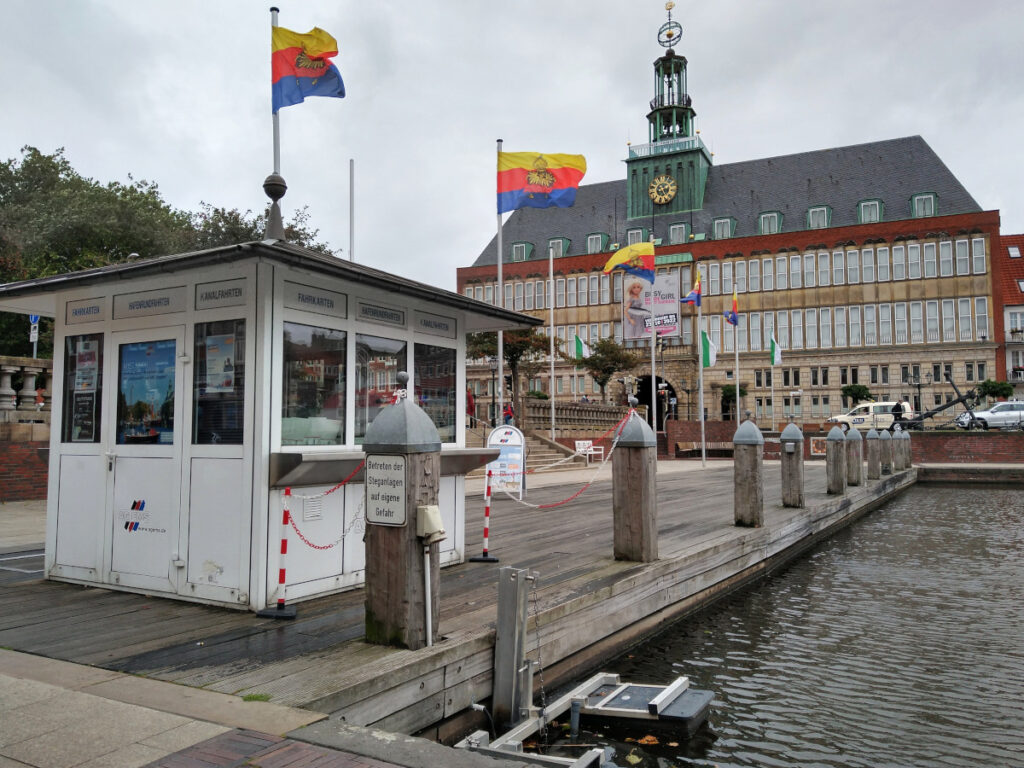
x: 586, y: 605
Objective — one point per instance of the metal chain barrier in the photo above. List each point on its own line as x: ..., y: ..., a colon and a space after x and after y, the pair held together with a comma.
x: 358, y: 524
x: 617, y: 429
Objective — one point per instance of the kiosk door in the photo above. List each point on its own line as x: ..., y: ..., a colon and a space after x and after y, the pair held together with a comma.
x: 144, y: 460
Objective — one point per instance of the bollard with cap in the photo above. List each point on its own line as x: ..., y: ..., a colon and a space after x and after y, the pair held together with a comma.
x: 874, y: 449
x: 403, y: 524
x: 898, y: 464
x: 885, y: 451
x: 835, y: 462
x: 908, y: 460
x: 634, y: 491
x: 854, y: 457
x: 748, y: 480
x: 791, y: 442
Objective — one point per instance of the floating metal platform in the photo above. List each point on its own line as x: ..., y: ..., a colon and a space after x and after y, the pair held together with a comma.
x: 604, y: 698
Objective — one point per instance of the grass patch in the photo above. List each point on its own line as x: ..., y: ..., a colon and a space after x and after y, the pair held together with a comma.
x: 256, y: 697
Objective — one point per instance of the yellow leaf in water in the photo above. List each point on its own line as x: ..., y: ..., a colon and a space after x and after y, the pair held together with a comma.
x: 633, y: 759
x: 630, y: 739
x: 648, y: 740
x: 673, y: 743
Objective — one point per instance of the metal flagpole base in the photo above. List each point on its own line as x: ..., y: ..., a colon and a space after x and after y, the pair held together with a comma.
x: 279, y: 612
x: 484, y: 558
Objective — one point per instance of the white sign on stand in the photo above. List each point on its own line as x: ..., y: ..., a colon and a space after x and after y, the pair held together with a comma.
x: 509, y: 469
x: 385, y: 490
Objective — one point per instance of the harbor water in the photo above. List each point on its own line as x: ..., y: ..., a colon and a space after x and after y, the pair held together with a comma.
x: 897, y: 642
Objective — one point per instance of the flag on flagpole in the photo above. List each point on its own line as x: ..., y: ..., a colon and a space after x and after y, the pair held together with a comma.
x: 710, y: 351
x: 636, y: 259
x: 300, y: 66
x: 775, y: 352
x: 693, y: 297
x: 733, y: 318
x: 534, y: 180
x: 582, y: 350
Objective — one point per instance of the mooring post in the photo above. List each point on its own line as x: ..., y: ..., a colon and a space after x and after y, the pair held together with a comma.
x: 898, y: 464
x: 635, y: 492
x: 512, y: 693
x: 854, y: 457
x: 874, y: 454
x: 403, y: 525
x: 748, y: 482
x: 835, y: 461
x: 792, y: 443
x: 885, y: 451
x: 908, y: 447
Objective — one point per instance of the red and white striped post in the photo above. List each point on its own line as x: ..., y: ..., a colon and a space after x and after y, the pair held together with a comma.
x: 282, y: 611
x: 485, y: 557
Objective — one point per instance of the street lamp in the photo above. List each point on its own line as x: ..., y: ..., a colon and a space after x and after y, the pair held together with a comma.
x: 917, y: 383
x: 493, y: 361
x: 682, y: 387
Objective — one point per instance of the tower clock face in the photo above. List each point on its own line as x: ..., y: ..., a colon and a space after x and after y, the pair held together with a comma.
x: 662, y: 189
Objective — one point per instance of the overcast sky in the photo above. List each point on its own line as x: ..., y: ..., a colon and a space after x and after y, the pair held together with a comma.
x: 179, y: 93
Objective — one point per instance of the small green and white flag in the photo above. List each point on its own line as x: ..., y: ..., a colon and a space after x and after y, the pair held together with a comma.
x: 775, y: 352
x: 582, y: 350
x: 709, y: 350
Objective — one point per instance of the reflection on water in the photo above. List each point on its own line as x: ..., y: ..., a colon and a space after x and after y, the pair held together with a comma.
x: 899, y: 642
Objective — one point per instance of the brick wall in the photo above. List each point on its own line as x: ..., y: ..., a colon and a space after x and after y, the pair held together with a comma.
x: 23, y: 470
x: 968, y: 447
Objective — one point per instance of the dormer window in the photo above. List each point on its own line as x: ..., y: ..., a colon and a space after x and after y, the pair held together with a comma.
x: 923, y: 205
x: 817, y: 218
x: 722, y: 228
x: 594, y: 243
x: 556, y: 247
x: 677, y: 234
x: 771, y: 223
x: 869, y: 212
x: 521, y: 251
x: 634, y: 236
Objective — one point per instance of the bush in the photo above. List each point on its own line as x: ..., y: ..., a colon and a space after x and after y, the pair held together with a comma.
x: 537, y: 394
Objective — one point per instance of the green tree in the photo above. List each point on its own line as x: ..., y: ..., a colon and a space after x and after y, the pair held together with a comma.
x: 517, y: 347
x: 729, y: 397
x: 53, y: 221
x: 995, y: 390
x: 856, y: 393
x: 605, y: 360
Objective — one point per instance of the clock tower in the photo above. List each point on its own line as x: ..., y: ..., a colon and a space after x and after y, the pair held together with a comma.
x: 667, y: 175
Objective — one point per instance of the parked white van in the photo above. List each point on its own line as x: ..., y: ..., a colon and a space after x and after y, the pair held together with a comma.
x: 871, y: 416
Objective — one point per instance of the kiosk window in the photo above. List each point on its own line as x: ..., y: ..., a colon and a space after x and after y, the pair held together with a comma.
x: 83, y: 389
x: 378, y: 362
x: 145, y: 402
x: 435, y: 387
x: 218, y: 414
x: 313, y: 407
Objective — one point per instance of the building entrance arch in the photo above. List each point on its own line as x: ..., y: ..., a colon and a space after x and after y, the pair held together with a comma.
x: 666, y: 396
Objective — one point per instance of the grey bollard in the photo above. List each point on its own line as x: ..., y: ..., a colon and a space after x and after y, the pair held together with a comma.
x: 854, y: 457
x: 885, y: 452
x: 874, y: 454
x: 835, y: 462
x: 748, y: 490
x: 898, y: 464
x: 792, y: 449
x: 403, y: 472
x: 634, y: 492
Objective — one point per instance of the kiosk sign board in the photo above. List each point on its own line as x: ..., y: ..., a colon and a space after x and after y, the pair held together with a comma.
x: 509, y: 469
x: 385, y: 490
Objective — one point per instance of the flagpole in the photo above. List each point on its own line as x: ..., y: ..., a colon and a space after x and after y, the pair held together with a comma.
x: 654, y: 370
x: 277, y: 124
x: 700, y: 395
x: 736, y: 366
x: 501, y: 303
x: 551, y: 322
x: 771, y: 416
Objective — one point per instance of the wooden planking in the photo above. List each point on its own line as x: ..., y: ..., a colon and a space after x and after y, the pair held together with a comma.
x: 309, y: 662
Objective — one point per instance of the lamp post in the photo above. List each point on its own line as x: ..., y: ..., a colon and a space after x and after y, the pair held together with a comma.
x: 683, y: 388
x: 919, y: 406
x: 493, y: 361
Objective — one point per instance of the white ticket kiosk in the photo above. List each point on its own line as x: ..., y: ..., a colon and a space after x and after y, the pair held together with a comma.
x: 191, y: 389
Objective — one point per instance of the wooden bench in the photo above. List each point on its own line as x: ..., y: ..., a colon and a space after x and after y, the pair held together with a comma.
x: 588, y: 449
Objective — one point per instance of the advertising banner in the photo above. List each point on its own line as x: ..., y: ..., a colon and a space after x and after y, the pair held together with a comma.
x: 645, y: 304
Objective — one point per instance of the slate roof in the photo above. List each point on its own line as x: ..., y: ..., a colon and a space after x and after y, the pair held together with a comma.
x: 891, y: 171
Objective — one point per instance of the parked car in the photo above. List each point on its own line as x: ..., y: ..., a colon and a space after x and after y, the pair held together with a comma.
x: 999, y: 416
x: 871, y: 416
